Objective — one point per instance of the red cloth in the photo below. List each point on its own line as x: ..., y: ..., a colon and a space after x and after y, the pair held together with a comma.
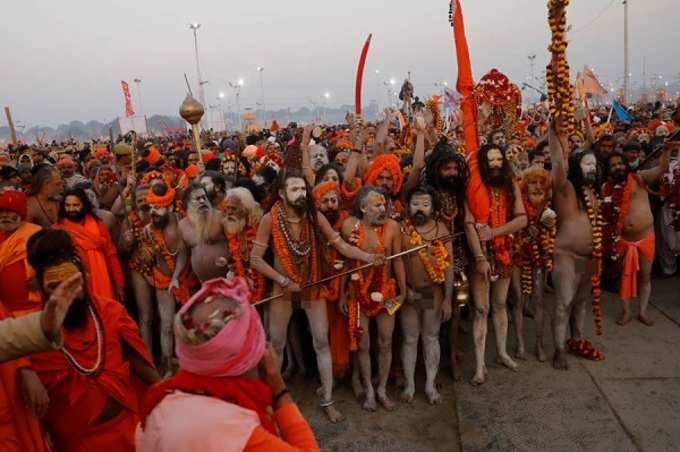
x: 14, y: 201
x: 76, y: 400
x: 247, y: 393
x: 631, y: 262
x: 15, y: 272
x: 20, y: 430
x: 98, y: 253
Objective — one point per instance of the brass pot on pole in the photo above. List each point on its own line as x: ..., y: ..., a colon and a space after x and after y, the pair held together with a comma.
x: 192, y: 111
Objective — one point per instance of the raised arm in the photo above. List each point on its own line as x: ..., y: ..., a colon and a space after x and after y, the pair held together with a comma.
x: 559, y: 169
x: 418, y: 156
x: 652, y: 175
x: 381, y: 134
x: 306, y: 162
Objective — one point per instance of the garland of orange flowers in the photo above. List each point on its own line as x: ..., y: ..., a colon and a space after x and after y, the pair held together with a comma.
x: 255, y: 279
x: 499, y: 216
x: 528, y: 253
x: 596, y: 222
x: 331, y: 291
x: 159, y: 247
x: 436, y: 271
x: 616, y: 204
x: 375, y: 280
x: 671, y: 192
x: 560, y: 90
x: 137, y: 263
x: 284, y: 246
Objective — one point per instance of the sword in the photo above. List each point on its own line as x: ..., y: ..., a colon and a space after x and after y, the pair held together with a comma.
x: 444, y: 238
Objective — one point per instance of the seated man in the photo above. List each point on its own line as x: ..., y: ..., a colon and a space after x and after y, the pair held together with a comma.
x: 216, y: 402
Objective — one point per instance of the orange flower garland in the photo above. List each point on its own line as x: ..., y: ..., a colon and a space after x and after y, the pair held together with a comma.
x: 615, y: 209
x: 596, y: 223
x: 499, y: 216
x: 373, y: 280
x: 532, y: 251
x: 283, y: 248
x: 160, y: 247
x: 255, y: 279
x: 138, y: 263
x: 436, y: 271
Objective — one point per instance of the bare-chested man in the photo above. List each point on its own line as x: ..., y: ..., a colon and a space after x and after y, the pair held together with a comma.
x: 533, y: 258
x: 574, y: 187
x: 294, y: 227
x: 203, y: 233
x: 373, y: 292
x: 430, y: 290
x: 494, y: 210
x: 47, y: 188
x: 170, y: 276
x: 629, y: 217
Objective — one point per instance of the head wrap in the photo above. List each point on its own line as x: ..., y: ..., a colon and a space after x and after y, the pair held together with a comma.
x: 154, y: 155
x: 389, y: 162
x: 101, y: 152
x: 324, y: 188
x: 161, y: 201
x: 538, y: 174
x: 208, y: 156
x: 236, y: 348
x: 250, y: 152
x: 65, y: 162
x: 192, y: 171
x: 14, y: 201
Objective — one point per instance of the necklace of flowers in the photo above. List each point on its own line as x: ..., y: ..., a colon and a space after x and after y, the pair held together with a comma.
x: 499, y: 216
x: 301, y: 247
x: 436, y: 271
x: 254, y: 278
x: 98, y: 364
x: 615, y: 207
x: 160, y: 247
x: 596, y: 222
x: 283, y: 252
x: 531, y: 254
x: 671, y: 191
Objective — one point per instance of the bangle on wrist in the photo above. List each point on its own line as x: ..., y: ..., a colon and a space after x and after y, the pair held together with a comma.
x: 284, y: 282
x: 276, y: 397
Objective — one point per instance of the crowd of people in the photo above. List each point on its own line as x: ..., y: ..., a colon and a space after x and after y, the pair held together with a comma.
x: 179, y: 271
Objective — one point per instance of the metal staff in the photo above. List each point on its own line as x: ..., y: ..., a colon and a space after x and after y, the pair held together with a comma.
x: 652, y: 154
x: 444, y: 238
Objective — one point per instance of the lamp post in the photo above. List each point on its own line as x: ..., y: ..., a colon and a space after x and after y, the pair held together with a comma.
x: 377, y: 90
x: 201, y: 93
x: 236, y: 86
x: 140, y: 108
x: 260, y: 69
x: 326, y: 97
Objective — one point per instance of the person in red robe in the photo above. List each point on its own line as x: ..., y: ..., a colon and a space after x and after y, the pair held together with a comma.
x: 93, y: 241
x: 15, y: 273
x: 19, y: 428
x: 95, y: 381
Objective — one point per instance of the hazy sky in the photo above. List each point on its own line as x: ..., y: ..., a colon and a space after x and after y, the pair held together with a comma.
x: 64, y: 59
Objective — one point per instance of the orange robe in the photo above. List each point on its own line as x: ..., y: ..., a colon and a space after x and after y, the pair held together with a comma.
x: 631, y: 263
x: 20, y: 430
x: 16, y: 272
x: 99, y: 255
x: 77, y: 400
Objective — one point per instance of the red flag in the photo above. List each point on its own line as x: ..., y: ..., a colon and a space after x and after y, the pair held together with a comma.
x: 129, y: 112
x: 360, y: 76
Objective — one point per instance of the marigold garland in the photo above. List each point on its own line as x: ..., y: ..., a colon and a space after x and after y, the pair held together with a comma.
x: 560, y: 90
x: 533, y: 251
x: 255, y: 279
x: 671, y: 192
x: 596, y: 222
x: 284, y: 246
x: 437, y: 270
x: 367, y: 282
x: 498, y: 214
x: 138, y: 263
x: 615, y: 206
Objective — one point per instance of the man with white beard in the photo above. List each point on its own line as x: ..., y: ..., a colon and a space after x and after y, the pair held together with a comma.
x: 203, y: 233
x: 318, y: 156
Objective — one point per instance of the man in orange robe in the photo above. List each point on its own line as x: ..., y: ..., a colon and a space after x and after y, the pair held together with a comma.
x: 19, y: 428
x: 15, y: 272
x: 93, y: 241
x: 96, y: 380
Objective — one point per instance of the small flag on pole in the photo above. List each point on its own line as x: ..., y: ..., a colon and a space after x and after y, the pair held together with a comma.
x: 621, y: 113
x: 129, y: 112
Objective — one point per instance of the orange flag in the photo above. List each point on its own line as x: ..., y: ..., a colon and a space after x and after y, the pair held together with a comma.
x: 465, y: 83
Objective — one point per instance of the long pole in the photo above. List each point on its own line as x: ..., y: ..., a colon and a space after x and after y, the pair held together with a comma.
x: 201, y: 92
x: 264, y: 106
x: 626, y: 75
x: 10, y: 123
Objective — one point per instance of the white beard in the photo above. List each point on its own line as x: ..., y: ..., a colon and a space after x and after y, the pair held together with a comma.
x: 201, y: 223
x: 235, y: 227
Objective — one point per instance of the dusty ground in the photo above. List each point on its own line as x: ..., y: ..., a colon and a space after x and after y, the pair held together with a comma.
x: 629, y: 402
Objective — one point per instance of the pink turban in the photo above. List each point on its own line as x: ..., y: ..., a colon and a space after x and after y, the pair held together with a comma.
x: 237, y: 347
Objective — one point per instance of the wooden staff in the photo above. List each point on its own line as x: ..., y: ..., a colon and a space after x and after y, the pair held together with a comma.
x: 10, y: 122
x: 444, y: 238
x: 656, y: 150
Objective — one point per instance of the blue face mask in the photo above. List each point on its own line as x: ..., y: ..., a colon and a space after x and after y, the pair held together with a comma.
x: 634, y: 164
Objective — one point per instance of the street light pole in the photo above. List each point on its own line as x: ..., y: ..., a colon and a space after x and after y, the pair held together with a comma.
x: 626, y: 75
x: 140, y: 107
x: 201, y: 92
x: 260, y: 69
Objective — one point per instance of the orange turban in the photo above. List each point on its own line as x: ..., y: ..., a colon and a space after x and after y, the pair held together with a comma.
x: 154, y: 155
x: 538, y: 174
x: 323, y: 189
x: 191, y: 171
x: 65, y: 162
x: 101, y: 152
x: 161, y: 201
x: 14, y: 201
x: 389, y: 162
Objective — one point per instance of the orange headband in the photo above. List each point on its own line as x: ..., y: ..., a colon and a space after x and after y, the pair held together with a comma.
x: 323, y: 189
x: 59, y: 273
x: 161, y: 201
